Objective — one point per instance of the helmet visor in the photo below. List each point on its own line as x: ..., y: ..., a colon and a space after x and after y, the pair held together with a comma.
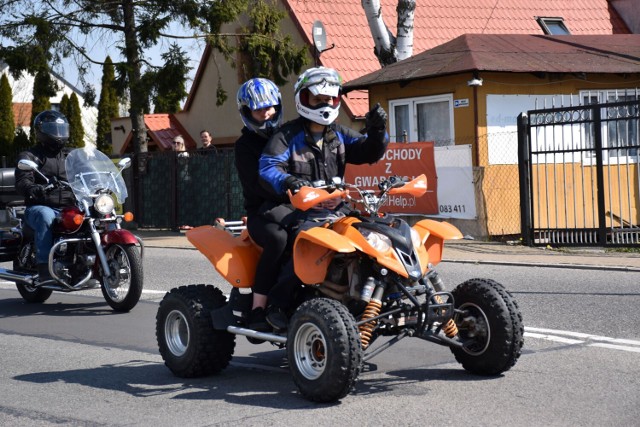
x: 55, y: 129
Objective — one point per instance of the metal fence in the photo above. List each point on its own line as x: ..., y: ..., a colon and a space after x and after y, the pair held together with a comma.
x: 173, y: 191
x: 579, y: 175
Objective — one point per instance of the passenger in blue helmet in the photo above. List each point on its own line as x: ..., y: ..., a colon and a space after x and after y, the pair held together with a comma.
x: 260, y: 107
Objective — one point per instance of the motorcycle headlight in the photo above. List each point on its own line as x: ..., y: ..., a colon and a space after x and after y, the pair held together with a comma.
x: 379, y: 242
x: 415, y: 239
x: 104, y: 204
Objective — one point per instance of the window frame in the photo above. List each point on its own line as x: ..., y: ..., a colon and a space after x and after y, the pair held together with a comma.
x: 412, y: 103
x: 549, y: 23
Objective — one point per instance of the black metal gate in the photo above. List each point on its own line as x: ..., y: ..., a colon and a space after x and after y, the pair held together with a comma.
x: 579, y: 176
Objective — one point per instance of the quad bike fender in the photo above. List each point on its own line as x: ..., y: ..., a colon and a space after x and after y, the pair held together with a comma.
x: 120, y: 237
x: 433, y: 234
x: 235, y: 258
x: 313, y: 251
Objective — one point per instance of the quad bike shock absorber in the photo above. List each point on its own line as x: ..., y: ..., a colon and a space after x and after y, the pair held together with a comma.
x: 450, y: 329
x: 371, y: 293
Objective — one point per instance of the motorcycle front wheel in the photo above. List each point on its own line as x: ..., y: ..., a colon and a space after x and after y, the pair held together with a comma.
x: 122, y: 290
x: 324, y: 350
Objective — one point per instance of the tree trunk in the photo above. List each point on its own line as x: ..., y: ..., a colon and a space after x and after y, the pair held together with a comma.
x: 132, y: 53
x: 384, y: 41
x: 406, y: 10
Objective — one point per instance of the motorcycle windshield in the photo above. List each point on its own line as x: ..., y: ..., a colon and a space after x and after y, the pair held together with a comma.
x: 90, y: 172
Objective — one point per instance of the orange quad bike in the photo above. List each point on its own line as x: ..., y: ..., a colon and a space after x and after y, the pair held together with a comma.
x: 363, y: 276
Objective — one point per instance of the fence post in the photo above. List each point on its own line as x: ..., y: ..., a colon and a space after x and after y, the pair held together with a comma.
x: 524, y: 168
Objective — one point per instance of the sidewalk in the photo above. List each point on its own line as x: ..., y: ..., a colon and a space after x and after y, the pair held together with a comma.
x: 471, y: 251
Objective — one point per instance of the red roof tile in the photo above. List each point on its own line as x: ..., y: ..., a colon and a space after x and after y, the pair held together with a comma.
x: 162, y: 128
x: 437, y: 22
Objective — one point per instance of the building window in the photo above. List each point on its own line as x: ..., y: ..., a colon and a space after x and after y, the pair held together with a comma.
x: 620, y: 125
x: 553, y: 26
x: 428, y: 118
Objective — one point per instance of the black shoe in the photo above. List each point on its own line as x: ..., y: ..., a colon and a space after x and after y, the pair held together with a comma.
x: 277, y: 318
x: 43, y: 274
x: 257, y: 320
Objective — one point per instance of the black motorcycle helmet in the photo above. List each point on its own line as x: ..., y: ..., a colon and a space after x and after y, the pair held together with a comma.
x: 51, y: 129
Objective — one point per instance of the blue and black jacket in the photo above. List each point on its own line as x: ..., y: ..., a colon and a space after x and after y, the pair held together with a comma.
x: 292, y: 151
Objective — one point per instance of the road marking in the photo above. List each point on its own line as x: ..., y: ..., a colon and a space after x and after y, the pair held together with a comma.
x: 600, y: 341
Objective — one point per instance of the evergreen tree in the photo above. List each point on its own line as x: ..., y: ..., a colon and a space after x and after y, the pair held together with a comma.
x: 7, y: 126
x: 21, y: 141
x: 64, y: 105
x: 43, y: 89
x: 107, y: 107
x: 170, y: 82
x: 76, y: 130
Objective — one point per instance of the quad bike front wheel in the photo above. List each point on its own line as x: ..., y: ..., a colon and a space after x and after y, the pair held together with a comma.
x: 122, y: 290
x: 324, y: 350
x: 187, y: 341
x: 489, y: 325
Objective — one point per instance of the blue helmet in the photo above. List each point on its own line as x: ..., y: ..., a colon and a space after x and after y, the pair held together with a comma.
x: 256, y: 94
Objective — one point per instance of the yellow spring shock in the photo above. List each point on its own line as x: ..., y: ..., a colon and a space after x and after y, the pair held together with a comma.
x: 450, y: 329
x: 366, y: 329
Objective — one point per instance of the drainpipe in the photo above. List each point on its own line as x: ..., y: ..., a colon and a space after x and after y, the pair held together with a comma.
x: 474, y: 83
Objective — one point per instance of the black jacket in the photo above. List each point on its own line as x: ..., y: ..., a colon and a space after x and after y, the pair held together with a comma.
x: 248, y: 149
x: 50, y: 165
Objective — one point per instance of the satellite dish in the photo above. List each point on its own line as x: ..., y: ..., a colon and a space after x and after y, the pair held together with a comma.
x: 319, y: 36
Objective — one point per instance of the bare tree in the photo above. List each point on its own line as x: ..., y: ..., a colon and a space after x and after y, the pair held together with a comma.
x: 389, y: 48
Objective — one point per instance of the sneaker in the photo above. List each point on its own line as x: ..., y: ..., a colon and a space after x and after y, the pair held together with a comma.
x: 257, y: 320
x: 277, y: 318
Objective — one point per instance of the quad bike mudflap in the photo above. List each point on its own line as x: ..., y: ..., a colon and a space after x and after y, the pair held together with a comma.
x: 364, y: 276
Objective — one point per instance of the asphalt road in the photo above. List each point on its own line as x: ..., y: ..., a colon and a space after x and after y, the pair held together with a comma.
x: 73, y: 361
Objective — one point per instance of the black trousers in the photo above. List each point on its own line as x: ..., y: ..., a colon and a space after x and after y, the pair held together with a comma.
x: 272, y: 238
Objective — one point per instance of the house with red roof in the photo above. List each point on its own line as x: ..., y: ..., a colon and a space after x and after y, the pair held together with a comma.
x: 352, y: 54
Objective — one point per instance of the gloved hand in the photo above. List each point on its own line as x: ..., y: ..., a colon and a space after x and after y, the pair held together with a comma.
x: 36, y: 193
x: 376, y: 118
x: 294, y: 183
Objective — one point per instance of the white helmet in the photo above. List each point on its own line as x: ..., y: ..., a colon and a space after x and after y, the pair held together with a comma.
x: 318, y: 81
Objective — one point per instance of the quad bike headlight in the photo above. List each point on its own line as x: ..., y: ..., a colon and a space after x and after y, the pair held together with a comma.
x: 415, y: 239
x: 379, y: 242
x: 104, y: 204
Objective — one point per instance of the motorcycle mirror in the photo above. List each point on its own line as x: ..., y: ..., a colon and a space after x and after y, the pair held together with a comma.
x: 30, y: 165
x: 27, y: 165
x: 124, y: 163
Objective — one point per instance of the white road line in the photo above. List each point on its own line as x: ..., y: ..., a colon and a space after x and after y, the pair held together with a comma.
x: 552, y: 338
x: 583, y: 336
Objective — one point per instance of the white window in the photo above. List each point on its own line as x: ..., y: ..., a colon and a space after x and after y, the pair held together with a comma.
x: 620, y: 125
x: 428, y: 118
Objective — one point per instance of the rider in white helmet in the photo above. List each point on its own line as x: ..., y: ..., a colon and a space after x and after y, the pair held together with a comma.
x: 312, y: 148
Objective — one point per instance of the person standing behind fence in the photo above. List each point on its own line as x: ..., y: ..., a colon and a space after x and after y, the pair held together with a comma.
x: 207, y: 142
x: 260, y: 107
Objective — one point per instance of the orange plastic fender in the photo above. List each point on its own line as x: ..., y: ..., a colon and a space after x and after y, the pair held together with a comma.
x: 235, y: 258
x: 433, y: 234
x: 313, y: 251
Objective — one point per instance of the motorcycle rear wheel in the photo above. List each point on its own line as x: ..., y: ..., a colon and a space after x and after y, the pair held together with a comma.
x: 324, y: 350
x: 188, y: 343
x: 491, y: 328
x: 33, y: 294
x: 123, y: 289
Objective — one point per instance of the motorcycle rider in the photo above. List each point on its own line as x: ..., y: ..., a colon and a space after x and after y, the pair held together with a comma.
x: 313, y: 147
x: 52, y: 133
x: 260, y: 107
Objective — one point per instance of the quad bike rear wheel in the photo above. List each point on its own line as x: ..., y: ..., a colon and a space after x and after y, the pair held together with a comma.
x: 490, y: 327
x: 324, y: 350
x: 187, y: 341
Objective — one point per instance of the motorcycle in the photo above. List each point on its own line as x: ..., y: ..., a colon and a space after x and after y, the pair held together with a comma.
x: 364, y: 276
x: 90, y: 248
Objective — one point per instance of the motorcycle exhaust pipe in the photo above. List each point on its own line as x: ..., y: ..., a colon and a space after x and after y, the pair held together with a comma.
x: 13, y: 276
